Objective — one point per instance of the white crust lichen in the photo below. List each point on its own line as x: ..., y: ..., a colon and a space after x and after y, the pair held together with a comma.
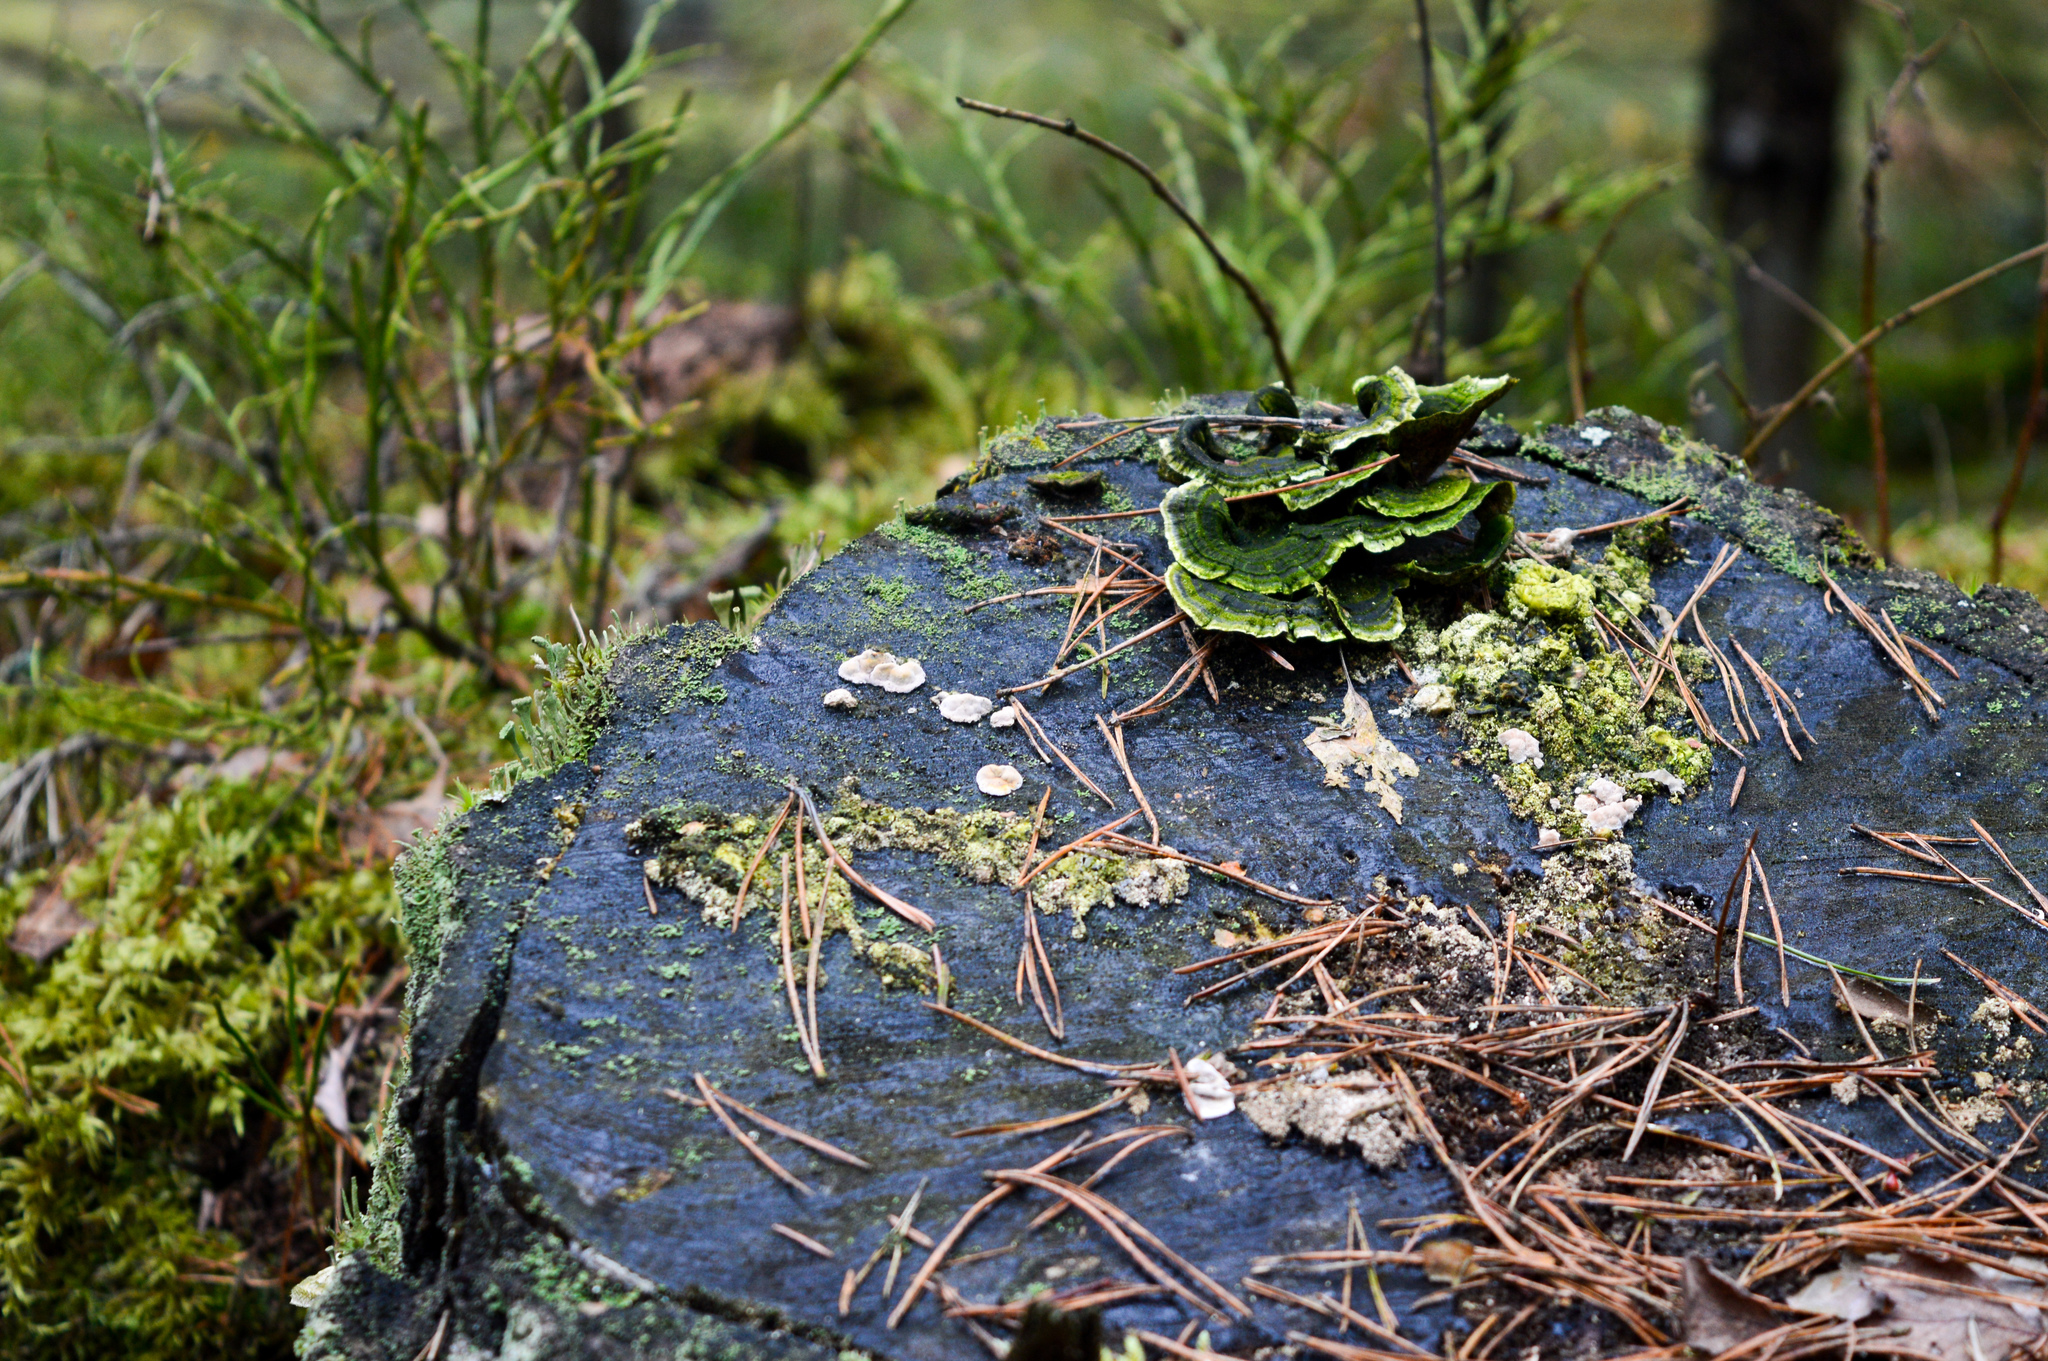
x: 1333, y: 1114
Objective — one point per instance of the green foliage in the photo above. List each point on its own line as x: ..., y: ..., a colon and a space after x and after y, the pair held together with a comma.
x: 1278, y: 151
x: 1318, y: 541
x: 128, y: 1067
x: 557, y: 722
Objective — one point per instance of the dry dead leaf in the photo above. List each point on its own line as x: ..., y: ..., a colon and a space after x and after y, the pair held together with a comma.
x: 1447, y: 1260
x: 1913, y: 1303
x: 1879, y: 1005
x: 1720, y: 1314
x: 1356, y: 743
x: 382, y: 831
x: 250, y: 763
x: 47, y: 927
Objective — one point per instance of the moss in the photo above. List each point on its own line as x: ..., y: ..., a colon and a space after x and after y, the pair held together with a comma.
x: 703, y: 854
x: 1589, y: 893
x: 892, y: 592
x: 1087, y: 880
x: 1540, y: 665
x: 1548, y: 591
x: 966, y: 574
x: 130, y: 1081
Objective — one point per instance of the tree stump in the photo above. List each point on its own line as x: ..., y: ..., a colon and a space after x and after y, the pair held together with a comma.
x: 552, y: 1184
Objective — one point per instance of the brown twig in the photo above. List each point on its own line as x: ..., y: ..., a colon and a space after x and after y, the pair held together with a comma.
x: 1575, y: 354
x: 1465, y: 458
x: 1235, y: 876
x: 1777, y: 930
x: 1042, y: 964
x: 922, y: 1277
x: 773, y: 1126
x: 1064, y: 672
x: 739, y: 901
x: 758, y: 1154
x: 1805, y: 394
x: 2019, y: 1005
x: 1040, y: 1126
x: 1115, y: 738
x: 1069, y: 128
x: 1124, y: 1231
x: 1145, y: 1134
x: 840, y: 862
x: 1866, y: 362
x: 2030, y: 426
x: 1032, y: 726
x: 1922, y: 691
x: 1439, y: 298
x: 796, y: 1010
x: 803, y: 1240
x: 1072, y: 846
x: 1770, y: 693
x: 1721, y: 922
x: 1022, y: 1047
x: 2006, y: 860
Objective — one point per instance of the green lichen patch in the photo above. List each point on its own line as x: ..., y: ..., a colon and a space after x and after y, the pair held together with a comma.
x: 703, y: 853
x: 1540, y: 665
x: 1589, y: 893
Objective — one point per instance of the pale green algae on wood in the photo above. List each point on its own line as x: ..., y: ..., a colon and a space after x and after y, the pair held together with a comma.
x: 552, y: 1200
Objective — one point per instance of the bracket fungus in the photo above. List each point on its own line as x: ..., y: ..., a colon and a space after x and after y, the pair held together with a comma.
x: 957, y: 706
x: 1332, y: 530
x: 996, y: 781
x: 1208, y: 1094
x: 899, y: 676
x: 842, y: 698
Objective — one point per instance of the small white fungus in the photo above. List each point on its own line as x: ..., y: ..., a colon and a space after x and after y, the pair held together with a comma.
x: 957, y: 706
x: 1560, y: 540
x: 1605, y: 806
x: 1209, y: 1096
x: 899, y: 676
x: 1597, y: 436
x: 1434, y: 699
x: 996, y: 781
x: 1005, y: 717
x: 842, y: 698
x: 1673, y: 786
x: 1522, y: 747
x: 1547, y: 836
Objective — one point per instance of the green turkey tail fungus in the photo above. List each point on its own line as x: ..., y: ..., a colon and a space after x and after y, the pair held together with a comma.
x: 1325, y: 561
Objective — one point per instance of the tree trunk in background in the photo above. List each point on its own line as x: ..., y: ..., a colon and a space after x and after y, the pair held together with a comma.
x: 1482, y: 302
x: 608, y: 26
x: 1774, y: 82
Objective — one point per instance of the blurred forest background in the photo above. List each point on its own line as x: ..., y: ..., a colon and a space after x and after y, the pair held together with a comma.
x: 345, y: 347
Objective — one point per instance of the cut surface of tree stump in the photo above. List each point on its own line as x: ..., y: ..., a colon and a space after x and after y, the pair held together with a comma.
x: 554, y: 1183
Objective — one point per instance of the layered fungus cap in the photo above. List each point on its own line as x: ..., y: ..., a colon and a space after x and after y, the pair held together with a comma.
x: 1316, y: 543
x: 897, y: 675
x: 996, y: 781
x: 957, y: 706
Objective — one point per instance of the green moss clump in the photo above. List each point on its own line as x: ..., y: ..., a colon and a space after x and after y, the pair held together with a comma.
x: 1540, y: 665
x: 127, y: 1082
x: 1548, y: 591
x: 965, y: 574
